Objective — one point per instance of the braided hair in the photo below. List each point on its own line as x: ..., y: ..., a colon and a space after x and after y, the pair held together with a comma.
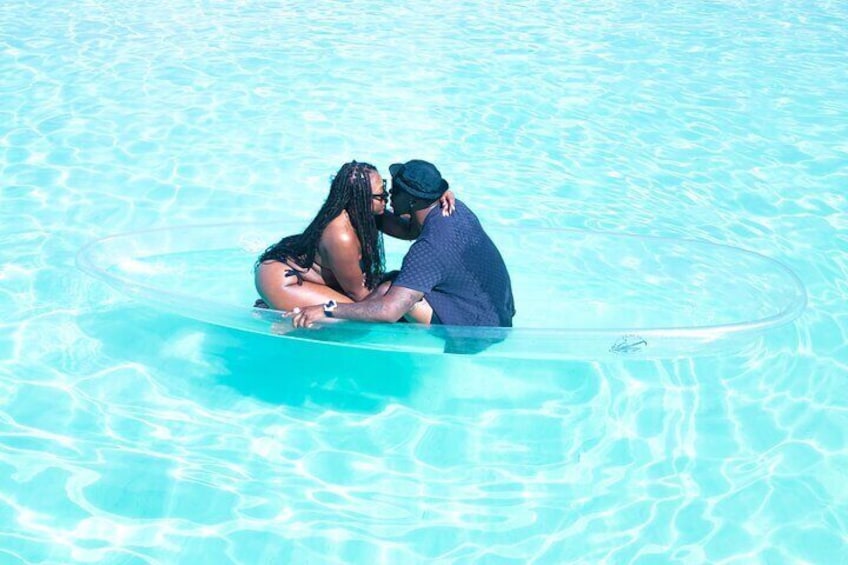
x: 350, y: 190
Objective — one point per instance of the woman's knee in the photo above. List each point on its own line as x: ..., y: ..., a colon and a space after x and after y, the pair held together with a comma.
x: 421, y: 312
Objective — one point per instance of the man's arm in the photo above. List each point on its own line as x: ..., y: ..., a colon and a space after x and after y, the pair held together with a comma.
x: 387, y: 308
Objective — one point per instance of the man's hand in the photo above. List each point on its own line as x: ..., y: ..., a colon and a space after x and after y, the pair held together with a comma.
x: 306, y: 316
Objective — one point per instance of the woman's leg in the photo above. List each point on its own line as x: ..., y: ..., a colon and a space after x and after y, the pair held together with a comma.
x: 282, y: 290
x: 420, y: 313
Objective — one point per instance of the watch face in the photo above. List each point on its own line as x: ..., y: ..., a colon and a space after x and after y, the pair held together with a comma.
x: 329, y: 307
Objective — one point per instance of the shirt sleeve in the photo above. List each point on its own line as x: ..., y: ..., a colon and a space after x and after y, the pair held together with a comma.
x: 421, y: 269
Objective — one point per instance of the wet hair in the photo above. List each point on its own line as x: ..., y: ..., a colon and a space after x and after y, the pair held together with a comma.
x: 350, y: 190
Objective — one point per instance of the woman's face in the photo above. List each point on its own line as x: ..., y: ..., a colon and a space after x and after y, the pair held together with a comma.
x: 379, y: 195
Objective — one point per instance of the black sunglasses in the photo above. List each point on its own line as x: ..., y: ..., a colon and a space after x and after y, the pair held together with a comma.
x: 383, y: 196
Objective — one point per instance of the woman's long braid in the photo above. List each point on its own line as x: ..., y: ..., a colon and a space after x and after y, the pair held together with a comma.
x: 364, y: 224
x: 351, y: 191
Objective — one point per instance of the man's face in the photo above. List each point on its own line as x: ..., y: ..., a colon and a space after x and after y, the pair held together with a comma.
x: 400, y: 201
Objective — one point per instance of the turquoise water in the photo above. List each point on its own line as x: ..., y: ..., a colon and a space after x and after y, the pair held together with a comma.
x: 128, y: 435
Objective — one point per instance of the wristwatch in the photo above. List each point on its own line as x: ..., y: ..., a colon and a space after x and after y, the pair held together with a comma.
x: 329, y: 307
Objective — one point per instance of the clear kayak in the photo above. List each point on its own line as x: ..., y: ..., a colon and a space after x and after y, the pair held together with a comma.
x: 578, y: 294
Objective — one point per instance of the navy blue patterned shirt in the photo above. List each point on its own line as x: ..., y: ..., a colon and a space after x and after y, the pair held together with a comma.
x: 459, y: 270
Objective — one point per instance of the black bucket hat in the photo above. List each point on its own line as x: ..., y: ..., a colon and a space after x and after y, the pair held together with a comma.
x: 419, y: 178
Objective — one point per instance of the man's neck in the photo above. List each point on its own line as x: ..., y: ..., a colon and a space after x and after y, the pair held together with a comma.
x: 420, y: 216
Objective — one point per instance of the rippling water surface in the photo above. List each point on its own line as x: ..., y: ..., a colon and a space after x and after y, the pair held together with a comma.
x: 132, y: 436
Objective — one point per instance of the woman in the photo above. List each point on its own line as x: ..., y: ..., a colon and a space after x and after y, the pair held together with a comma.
x: 340, y: 254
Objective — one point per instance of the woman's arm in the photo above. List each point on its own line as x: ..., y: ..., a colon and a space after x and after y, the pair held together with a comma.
x: 402, y: 228
x: 341, y: 254
x: 397, y: 226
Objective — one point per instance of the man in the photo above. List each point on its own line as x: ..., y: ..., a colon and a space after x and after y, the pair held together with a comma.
x: 453, y: 273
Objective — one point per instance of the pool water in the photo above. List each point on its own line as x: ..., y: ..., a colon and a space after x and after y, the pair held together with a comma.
x: 129, y: 435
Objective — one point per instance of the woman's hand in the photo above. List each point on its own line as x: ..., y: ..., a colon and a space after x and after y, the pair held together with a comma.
x: 448, y: 203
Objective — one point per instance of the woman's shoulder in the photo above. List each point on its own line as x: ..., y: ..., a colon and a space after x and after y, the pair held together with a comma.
x: 339, y: 233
